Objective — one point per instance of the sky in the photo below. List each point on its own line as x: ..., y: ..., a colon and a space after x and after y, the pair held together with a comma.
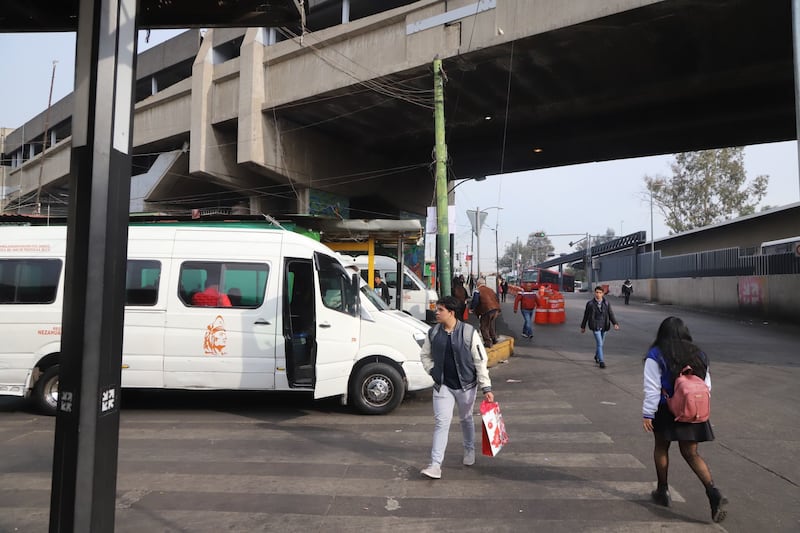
x: 564, y: 202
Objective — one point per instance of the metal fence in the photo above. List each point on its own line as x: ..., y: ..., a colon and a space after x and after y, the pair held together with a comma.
x: 726, y: 262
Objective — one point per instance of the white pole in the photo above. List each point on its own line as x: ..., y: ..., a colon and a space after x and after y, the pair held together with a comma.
x: 478, y: 239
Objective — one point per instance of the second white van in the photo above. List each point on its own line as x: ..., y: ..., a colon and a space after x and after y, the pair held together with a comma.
x: 418, y: 300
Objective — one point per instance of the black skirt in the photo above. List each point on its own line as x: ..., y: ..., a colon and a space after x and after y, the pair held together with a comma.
x: 664, y: 424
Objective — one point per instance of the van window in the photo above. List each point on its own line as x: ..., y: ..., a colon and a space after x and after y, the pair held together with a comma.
x: 223, y: 284
x: 408, y: 283
x: 29, y: 281
x: 335, y: 286
x: 141, y: 282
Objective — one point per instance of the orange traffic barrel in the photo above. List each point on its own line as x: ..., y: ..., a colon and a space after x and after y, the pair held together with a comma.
x: 542, y: 313
x: 558, y: 314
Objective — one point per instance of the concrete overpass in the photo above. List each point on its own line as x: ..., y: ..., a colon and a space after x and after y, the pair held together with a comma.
x: 340, y: 119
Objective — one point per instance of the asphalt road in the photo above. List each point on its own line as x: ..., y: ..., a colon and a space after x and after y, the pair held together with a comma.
x: 578, y: 459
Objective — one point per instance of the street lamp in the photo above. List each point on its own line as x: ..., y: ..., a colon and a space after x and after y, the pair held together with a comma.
x: 444, y: 260
x: 463, y: 181
x: 587, y: 258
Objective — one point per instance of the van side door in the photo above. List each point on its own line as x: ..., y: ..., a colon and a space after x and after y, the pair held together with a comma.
x: 337, y: 326
x: 223, y: 310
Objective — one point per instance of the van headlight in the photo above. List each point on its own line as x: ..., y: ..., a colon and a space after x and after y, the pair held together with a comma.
x: 420, y: 338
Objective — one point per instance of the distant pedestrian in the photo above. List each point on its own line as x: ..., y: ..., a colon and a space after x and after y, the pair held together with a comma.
x: 382, y: 289
x: 599, y: 316
x: 503, y: 290
x: 453, y: 355
x: 487, y: 307
x: 527, y: 302
x: 627, y: 290
x: 672, y: 351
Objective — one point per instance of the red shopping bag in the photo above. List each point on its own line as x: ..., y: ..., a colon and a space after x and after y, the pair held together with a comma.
x: 494, y: 429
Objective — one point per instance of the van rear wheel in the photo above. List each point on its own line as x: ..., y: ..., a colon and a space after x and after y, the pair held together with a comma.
x: 377, y: 389
x: 45, y: 392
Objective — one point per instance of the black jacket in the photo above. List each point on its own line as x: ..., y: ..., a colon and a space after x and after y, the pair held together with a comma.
x: 597, y: 319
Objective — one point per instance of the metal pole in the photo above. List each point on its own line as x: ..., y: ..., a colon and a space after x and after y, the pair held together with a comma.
x: 589, y: 260
x: 652, y: 241
x: 472, y: 259
x: 796, y: 54
x: 443, y: 230
x: 85, y: 452
x: 44, y: 140
x: 496, y: 254
x: 478, y: 239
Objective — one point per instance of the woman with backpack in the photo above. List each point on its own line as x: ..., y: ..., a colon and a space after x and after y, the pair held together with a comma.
x: 671, y: 352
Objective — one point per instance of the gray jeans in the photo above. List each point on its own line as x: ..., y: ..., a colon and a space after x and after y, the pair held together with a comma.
x: 443, y: 402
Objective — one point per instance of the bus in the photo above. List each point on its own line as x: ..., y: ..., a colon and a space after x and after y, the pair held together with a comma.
x: 533, y: 278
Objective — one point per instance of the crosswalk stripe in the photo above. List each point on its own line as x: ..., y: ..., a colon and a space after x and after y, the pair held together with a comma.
x: 221, y: 437
x: 133, y: 486
x: 576, y: 460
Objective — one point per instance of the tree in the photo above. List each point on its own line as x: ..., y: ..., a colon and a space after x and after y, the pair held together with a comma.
x: 706, y: 187
x: 513, y: 253
x: 534, y: 251
x: 539, y: 245
x: 610, y: 235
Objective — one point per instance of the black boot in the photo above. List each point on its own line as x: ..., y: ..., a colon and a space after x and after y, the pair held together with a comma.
x: 718, y: 503
x: 661, y: 496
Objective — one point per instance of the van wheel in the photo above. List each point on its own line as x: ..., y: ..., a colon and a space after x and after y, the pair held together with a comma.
x: 45, y: 392
x: 377, y: 389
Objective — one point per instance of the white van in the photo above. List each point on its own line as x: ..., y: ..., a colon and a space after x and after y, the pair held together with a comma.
x: 418, y: 300
x: 239, y: 307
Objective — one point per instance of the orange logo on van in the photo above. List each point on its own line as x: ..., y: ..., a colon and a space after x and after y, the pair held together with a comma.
x: 216, y: 337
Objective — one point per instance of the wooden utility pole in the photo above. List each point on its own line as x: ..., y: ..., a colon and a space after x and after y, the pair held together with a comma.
x: 443, y: 269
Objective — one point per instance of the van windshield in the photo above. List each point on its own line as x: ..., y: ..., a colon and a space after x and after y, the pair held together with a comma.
x: 373, y: 297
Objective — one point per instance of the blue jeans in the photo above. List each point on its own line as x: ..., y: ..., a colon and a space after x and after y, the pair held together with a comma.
x: 599, y: 337
x: 443, y: 402
x: 527, y: 326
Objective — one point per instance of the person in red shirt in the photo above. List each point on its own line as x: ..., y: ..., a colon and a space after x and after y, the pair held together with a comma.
x: 528, y: 301
x: 211, y: 297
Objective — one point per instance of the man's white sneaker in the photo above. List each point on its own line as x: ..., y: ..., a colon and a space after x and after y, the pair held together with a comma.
x: 432, y: 471
x: 469, y: 457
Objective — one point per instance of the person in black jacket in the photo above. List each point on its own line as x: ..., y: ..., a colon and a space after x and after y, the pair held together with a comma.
x: 599, y: 316
x: 382, y: 289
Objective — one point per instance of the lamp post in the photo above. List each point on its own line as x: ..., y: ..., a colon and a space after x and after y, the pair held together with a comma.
x: 588, y: 256
x: 451, y: 201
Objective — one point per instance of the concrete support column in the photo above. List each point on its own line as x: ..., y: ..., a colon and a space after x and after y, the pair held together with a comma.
x: 200, y: 134
x: 251, y: 128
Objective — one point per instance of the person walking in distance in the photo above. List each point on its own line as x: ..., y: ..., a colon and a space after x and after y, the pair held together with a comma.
x: 382, y: 289
x: 526, y: 302
x: 599, y: 316
x: 503, y: 289
x: 453, y: 355
x: 672, y: 350
x: 627, y: 290
x: 487, y: 307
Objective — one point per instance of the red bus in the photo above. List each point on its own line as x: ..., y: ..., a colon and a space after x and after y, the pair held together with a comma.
x: 533, y: 278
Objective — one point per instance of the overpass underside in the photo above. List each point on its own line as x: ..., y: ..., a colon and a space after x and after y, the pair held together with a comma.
x: 340, y: 121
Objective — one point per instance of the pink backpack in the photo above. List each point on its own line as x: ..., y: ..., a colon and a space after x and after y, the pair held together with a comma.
x: 691, y: 399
